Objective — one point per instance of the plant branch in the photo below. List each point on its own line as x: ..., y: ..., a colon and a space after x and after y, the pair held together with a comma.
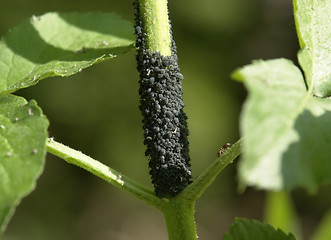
x: 106, y: 173
x: 156, y: 25
x: 179, y: 217
x: 194, y: 190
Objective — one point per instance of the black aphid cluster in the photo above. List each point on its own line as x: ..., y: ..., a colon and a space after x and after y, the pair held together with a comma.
x: 164, y: 121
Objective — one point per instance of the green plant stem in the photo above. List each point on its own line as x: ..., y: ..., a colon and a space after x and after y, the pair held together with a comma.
x: 97, y: 168
x: 179, y: 211
x: 194, y: 190
x: 280, y: 212
x: 179, y: 217
x: 156, y: 25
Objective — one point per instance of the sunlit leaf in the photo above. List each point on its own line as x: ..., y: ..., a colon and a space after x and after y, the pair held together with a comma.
x: 57, y: 44
x: 285, y: 122
x: 314, y: 30
x: 287, y: 131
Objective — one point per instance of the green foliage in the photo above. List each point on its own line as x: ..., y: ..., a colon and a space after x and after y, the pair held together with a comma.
x: 50, y: 45
x: 285, y: 121
x: 60, y: 45
x: 244, y: 229
x: 314, y: 28
x: 286, y: 127
x: 23, y: 133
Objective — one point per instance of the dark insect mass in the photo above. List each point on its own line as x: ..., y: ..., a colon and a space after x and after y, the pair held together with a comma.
x: 164, y: 121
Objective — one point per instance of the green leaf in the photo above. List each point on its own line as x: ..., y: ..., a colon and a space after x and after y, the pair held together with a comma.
x: 286, y: 127
x: 245, y: 229
x: 60, y: 45
x: 314, y: 30
x: 287, y: 131
x: 23, y: 134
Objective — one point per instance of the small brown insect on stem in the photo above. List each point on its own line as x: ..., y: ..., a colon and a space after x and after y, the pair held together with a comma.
x: 223, y: 149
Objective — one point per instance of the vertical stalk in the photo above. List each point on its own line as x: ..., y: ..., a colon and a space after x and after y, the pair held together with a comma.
x: 156, y: 26
x: 161, y: 101
x: 280, y: 212
x: 164, y: 120
x: 179, y: 217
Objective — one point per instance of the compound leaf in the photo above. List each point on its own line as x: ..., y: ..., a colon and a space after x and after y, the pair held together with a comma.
x: 23, y: 134
x: 58, y: 44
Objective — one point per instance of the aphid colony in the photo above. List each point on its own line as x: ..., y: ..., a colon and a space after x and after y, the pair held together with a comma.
x: 164, y: 121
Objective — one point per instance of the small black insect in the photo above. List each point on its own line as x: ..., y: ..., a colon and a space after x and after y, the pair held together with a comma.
x: 223, y: 149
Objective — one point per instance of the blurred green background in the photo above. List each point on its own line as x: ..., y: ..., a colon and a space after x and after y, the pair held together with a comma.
x: 96, y: 111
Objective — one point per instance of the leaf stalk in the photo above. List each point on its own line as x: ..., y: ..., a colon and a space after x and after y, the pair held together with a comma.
x: 106, y: 173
